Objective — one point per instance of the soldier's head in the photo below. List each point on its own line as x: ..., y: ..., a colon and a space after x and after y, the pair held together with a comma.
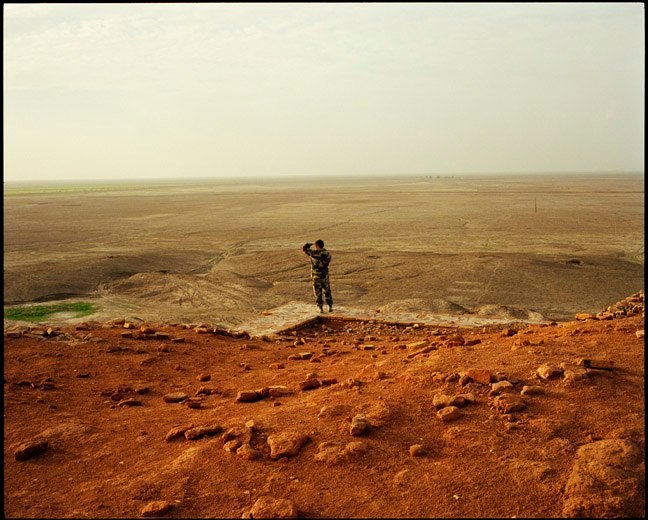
x: 319, y: 244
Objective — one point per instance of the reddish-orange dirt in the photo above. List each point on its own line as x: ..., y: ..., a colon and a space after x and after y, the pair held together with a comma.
x: 98, y: 400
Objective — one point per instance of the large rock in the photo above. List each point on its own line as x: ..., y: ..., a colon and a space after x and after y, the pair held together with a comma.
x: 509, y: 403
x: 606, y: 481
x: 286, y: 444
x: 269, y: 507
x: 248, y: 396
x: 30, y: 449
x: 479, y: 375
x: 175, y: 397
x: 359, y: 425
x: 547, y: 371
x: 449, y: 413
x: 156, y: 508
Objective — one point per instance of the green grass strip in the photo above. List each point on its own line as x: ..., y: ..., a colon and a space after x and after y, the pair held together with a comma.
x: 40, y: 312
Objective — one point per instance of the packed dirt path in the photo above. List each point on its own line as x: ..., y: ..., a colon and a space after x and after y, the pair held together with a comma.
x: 337, y: 418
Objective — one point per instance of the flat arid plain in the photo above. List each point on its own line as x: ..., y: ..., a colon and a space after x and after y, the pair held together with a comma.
x: 224, y: 251
x: 485, y: 357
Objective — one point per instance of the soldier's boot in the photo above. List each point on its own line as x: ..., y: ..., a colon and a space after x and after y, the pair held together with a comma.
x: 330, y: 307
x: 321, y: 309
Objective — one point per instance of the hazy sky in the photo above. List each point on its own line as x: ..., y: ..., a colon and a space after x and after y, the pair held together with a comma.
x: 207, y: 90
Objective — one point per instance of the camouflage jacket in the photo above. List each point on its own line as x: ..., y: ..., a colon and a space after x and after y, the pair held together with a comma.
x: 320, y: 260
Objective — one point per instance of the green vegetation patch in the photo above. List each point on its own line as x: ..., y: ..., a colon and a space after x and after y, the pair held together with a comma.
x: 40, y: 312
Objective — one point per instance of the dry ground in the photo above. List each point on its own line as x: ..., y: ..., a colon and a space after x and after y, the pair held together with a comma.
x: 111, y: 461
x: 225, y: 252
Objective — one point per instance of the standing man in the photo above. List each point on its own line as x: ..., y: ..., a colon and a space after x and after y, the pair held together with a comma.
x: 320, y: 259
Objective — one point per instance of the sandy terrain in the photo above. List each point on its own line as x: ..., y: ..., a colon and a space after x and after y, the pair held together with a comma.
x: 225, y: 252
x: 347, y: 420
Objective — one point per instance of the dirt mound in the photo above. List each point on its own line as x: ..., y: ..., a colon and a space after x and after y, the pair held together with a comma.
x: 334, y: 419
x: 506, y: 312
x: 439, y: 306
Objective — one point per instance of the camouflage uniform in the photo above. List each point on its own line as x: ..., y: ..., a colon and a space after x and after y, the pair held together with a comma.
x: 320, y: 260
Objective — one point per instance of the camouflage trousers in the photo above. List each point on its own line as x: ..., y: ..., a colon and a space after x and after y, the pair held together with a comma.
x: 322, y: 289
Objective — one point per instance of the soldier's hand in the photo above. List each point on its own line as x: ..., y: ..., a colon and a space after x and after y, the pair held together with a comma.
x: 306, y: 246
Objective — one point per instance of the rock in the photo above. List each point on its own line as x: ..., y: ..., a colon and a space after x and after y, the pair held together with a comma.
x: 145, y: 329
x: 203, y: 377
x: 509, y: 332
x: 247, y: 452
x: 449, y: 413
x: 30, y: 449
x: 203, y: 390
x: 500, y: 387
x: 334, y: 410
x: 232, y: 446
x: 175, y: 397
x: 335, y: 451
x: 479, y: 376
x: 417, y: 345
x: 547, y: 371
x: 603, y: 364
x: 582, y: 316
x: 276, y: 366
x: 193, y: 403
x: 248, y: 396
x: 417, y: 450
x: 640, y: 333
x: 177, y: 340
x: 309, y: 384
x: 423, y: 350
x: 242, y: 433
x: 286, y: 444
x: 130, y: 402
x: 441, y: 400
x: 472, y: 342
x: 83, y: 375
x: 359, y: 425
x: 156, y: 508
x: 532, y: 390
x: 327, y: 381
x: 269, y: 507
x: 606, y: 481
x: 468, y: 398
x: 305, y: 355
x: 573, y: 375
x: 200, y: 431
x: 507, y: 403
x: 177, y: 432
x: 279, y: 391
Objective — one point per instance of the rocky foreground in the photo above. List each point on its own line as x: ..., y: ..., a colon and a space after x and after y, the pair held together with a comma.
x: 337, y: 418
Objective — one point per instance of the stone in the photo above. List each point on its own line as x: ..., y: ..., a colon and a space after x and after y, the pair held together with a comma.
x: 193, y: 403
x: 270, y: 507
x: 423, y: 350
x: 156, y: 508
x: 161, y: 335
x: 336, y: 451
x: 583, y: 316
x: 175, y: 397
x: 232, y: 446
x: 203, y: 377
x: 286, y: 444
x: 279, y: 391
x: 334, y: 410
x: 145, y: 329
x: 305, y: 355
x: 602, y: 364
x: 359, y: 425
x: 417, y: 345
x: 640, y: 333
x: 248, y: 396
x: 606, y: 481
x: 200, y: 431
x: 508, y: 403
x: 532, y: 390
x: 309, y: 384
x: 468, y: 398
x: 442, y: 400
x: 417, y: 450
x: 500, y: 387
x: 509, y: 332
x: 276, y: 366
x: 30, y: 449
x: 247, y: 452
x: 177, y: 432
x: 130, y: 402
x: 479, y: 376
x: 449, y: 413
x: 327, y: 381
x: 547, y: 371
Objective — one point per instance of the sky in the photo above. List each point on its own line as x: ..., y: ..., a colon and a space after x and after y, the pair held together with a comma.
x: 142, y: 91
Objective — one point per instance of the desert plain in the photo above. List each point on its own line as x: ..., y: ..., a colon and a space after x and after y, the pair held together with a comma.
x: 484, y: 358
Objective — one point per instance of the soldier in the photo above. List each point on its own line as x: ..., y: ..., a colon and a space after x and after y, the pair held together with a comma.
x: 320, y: 259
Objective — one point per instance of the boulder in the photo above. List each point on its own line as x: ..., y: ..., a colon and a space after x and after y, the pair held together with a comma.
x: 547, y: 371
x: 508, y: 403
x: 501, y: 387
x: 449, y: 413
x: 270, y: 507
x: 479, y: 375
x: 30, y: 449
x: 359, y: 425
x: 248, y: 396
x: 175, y: 397
x: 156, y: 508
x: 606, y: 481
x: 286, y: 444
